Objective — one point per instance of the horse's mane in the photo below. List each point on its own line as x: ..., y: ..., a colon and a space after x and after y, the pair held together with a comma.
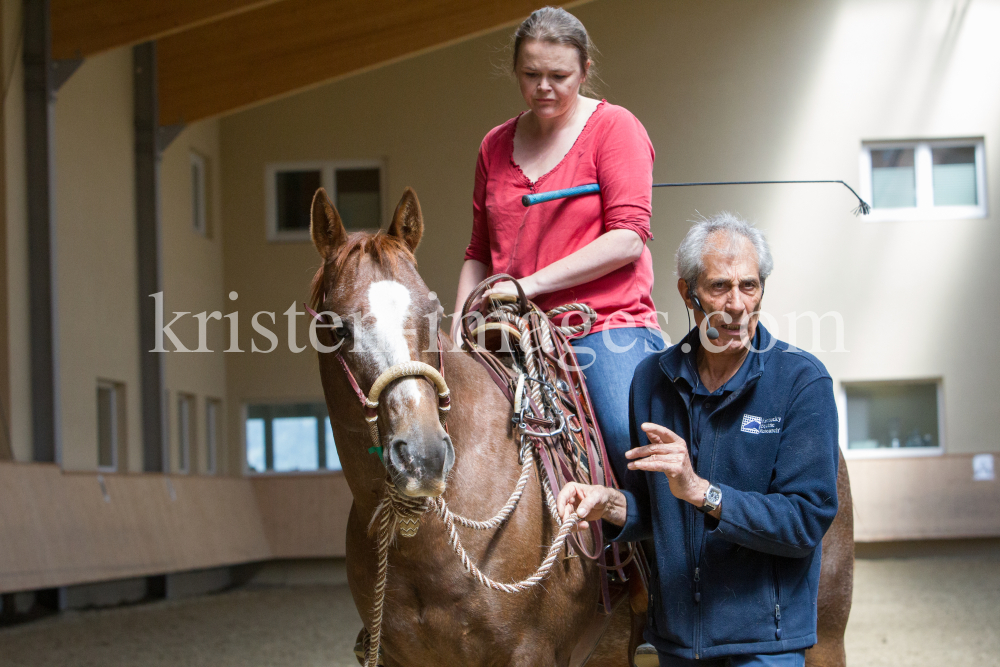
x: 383, y: 249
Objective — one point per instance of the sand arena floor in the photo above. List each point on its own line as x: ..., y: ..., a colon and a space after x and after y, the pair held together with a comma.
x: 926, y: 612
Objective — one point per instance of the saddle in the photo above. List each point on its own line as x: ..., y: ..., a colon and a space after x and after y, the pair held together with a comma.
x: 527, y: 354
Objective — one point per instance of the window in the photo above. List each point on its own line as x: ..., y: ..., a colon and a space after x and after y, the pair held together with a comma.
x: 892, y: 418
x: 924, y: 180
x: 185, y: 432
x: 110, y: 425
x: 213, y: 414
x: 354, y: 187
x: 199, y: 201
x: 289, y: 438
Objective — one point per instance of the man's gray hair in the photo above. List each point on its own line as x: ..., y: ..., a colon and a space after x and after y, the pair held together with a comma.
x: 690, y: 254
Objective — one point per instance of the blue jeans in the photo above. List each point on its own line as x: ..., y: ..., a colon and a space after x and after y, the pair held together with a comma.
x: 609, y: 359
x: 790, y: 659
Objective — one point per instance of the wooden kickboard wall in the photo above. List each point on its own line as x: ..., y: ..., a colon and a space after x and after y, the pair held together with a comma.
x: 61, y: 529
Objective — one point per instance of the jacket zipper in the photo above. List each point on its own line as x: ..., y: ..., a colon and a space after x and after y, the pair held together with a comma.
x: 697, y: 602
x: 693, y: 554
x: 777, y: 600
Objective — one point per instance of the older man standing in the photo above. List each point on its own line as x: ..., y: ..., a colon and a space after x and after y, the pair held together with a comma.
x: 736, y: 433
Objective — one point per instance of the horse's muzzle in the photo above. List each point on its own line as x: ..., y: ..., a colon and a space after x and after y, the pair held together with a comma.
x: 420, y: 466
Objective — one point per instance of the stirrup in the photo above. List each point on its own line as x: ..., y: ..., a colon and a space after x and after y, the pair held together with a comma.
x: 646, y: 656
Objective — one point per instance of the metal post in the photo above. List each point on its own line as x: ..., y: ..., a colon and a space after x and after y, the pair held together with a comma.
x: 147, y: 216
x: 39, y: 99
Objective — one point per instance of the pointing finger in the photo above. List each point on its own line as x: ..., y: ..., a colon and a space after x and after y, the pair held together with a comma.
x: 660, y: 433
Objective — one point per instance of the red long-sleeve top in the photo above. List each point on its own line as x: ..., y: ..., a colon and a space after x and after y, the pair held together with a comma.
x: 613, y: 150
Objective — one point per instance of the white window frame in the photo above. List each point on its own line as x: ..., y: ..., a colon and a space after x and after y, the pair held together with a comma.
x: 923, y: 168
x: 321, y: 426
x: 116, y: 418
x: 213, y: 425
x: 186, y: 433
x: 328, y: 181
x: 888, y: 452
x: 199, y: 195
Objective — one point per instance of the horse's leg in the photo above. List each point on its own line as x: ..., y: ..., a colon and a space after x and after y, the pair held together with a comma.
x: 836, y: 581
x: 612, y: 650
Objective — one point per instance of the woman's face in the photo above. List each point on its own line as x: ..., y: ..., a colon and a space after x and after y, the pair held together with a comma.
x: 549, y: 75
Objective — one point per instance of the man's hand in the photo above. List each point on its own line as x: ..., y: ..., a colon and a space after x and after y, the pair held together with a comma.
x: 591, y: 503
x: 668, y: 453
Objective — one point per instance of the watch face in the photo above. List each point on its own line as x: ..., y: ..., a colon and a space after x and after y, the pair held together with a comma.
x: 714, y: 495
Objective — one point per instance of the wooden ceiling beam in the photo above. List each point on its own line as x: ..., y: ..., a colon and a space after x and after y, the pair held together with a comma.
x: 295, y: 44
x: 82, y: 28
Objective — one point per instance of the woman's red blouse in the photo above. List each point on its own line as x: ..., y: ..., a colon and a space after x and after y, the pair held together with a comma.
x: 613, y: 150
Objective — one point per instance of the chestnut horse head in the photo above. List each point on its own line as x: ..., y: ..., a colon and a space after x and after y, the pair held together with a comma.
x: 384, y: 315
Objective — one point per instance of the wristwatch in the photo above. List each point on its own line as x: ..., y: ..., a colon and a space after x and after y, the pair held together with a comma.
x: 713, y: 498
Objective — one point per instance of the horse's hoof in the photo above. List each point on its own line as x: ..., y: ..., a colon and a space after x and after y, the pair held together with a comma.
x: 646, y: 656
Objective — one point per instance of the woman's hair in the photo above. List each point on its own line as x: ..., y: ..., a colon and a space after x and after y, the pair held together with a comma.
x: 557, y: 26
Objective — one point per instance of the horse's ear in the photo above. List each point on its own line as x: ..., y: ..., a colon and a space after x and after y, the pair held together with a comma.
x: 407, y: 222
x: 327, y: 229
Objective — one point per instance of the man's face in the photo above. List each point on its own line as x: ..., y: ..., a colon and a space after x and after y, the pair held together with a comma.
x: 729, y: 285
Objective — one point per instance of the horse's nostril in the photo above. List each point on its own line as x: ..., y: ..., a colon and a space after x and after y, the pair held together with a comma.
x: 400, y: 451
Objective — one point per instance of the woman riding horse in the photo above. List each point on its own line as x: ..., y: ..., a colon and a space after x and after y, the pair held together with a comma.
x: 589, y: 249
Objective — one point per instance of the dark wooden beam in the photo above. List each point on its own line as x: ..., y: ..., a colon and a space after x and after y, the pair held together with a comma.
x: 82, y: 28
x: 282, y: 48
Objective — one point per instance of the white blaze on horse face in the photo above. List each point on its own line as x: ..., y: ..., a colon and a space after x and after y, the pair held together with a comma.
x: 388, y: 304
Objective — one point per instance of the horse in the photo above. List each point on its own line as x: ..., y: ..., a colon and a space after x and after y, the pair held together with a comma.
x: 434, y: 612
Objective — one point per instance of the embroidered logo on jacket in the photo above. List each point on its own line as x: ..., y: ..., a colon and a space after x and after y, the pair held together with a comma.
x: 756, y: 425
x: 751, y: 424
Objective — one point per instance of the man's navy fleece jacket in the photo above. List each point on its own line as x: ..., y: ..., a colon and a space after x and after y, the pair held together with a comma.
x: 748, y: 582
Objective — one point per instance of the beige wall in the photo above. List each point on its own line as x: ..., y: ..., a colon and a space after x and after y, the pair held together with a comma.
x: 96, y: 258
x: 192, y: 281
x: 424, y: 117
x: 727, y: 91
x: 95, y: 245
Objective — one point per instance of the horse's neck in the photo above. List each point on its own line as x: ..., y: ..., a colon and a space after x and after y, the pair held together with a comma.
x: 363, y: 471
x: 486, y: 454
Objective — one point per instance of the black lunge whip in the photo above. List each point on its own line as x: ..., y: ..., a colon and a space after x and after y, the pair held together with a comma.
x: 863, y: 208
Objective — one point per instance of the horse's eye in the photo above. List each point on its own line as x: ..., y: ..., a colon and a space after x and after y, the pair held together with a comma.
x: 342, y: 331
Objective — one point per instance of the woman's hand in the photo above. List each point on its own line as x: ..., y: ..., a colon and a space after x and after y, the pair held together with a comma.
x: 473, y: 273
x: 528, y: 285
x: 591, y: 502
x: 456, y: 330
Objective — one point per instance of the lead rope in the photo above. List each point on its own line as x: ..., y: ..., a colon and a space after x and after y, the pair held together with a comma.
x: 401, y: 513
x: 398, y: 511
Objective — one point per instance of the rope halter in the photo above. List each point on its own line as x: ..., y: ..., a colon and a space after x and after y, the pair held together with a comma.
x: 390, y: 375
